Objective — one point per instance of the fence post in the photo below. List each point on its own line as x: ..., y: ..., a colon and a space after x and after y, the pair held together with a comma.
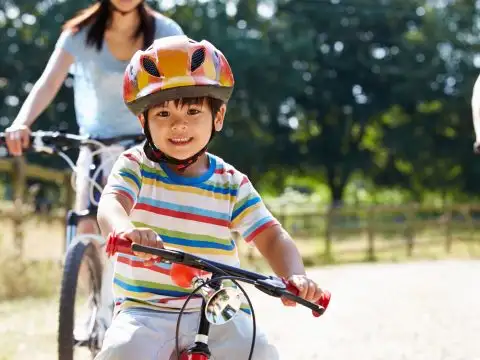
x: 448, y: 228
x: 410, y: 230
x: 19, y: 181
x: 370, y: 235
x: 471, y: 223
x: 69, y: 192
x: 328, y: 233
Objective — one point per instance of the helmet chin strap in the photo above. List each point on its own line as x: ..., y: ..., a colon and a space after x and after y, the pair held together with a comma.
x: 155, y: 155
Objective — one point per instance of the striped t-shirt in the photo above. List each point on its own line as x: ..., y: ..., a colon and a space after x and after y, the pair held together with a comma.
x: 199, y: 215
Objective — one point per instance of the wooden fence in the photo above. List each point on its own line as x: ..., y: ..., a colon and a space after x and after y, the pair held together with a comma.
x: 330, y: 233
x: 369, y: 230
x: 14, y: 214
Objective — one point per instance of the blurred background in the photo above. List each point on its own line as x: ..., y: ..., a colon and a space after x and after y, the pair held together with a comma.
x: 351, y: 117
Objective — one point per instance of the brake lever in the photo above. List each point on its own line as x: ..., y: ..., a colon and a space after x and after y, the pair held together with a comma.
x: 38, y: 145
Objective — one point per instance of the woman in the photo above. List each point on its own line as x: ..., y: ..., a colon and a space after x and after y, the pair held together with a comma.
x: 95, y: 46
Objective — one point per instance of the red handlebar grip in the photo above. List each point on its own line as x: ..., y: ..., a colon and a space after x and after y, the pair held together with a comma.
x: 323, y: 301
x: 117, y: 244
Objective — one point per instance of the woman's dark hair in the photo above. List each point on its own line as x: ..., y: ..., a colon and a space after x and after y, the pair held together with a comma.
x: 98, y: 16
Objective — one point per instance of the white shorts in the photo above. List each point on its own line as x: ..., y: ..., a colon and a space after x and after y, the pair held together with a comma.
x: 150, y: 335
x: 84, y: 187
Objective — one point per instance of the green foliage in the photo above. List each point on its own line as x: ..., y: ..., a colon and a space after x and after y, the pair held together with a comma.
x: 332, y: 92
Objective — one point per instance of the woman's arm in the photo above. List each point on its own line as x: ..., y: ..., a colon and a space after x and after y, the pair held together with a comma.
x: 45, y: 88
x: 40, y: 97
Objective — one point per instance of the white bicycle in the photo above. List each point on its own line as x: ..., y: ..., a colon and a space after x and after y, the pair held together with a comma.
x: 83, y: 270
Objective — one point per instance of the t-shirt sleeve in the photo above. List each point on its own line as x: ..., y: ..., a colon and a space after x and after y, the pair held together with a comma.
x: 250, y: 216
x: 73, y: 43
x: 125, y: 178
x: 166, y: 27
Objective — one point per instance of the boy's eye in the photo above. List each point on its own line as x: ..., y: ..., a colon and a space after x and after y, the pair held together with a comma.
x: 163, y: 114
x: 193, y: 111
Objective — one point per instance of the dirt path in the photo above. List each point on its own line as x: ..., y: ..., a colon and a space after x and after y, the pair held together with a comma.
x: 416, y: 311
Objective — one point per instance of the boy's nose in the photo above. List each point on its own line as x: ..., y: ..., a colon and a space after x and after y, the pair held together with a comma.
x: 179, y: 125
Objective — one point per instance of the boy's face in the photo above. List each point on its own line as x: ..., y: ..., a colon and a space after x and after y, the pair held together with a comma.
x: 180, y: 131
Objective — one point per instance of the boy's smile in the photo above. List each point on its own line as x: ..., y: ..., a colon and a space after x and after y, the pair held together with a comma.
x: 181, y: 141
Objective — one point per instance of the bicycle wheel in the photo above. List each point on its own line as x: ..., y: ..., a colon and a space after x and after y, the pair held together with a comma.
x: 81, y: 284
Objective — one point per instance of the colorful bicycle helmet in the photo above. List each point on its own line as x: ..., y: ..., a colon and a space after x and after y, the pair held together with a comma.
x: 172, y: 68
x: 176, y: 67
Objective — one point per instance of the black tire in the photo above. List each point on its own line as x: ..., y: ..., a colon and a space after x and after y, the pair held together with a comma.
x: 82, y: 251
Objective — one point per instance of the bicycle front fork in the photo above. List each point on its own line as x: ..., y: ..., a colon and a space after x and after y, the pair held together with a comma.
x: 200, y: 350
x: 72, y: 221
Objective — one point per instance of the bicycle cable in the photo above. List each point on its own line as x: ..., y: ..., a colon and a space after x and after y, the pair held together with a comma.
x: 190, y: 296
x: 93, y: 184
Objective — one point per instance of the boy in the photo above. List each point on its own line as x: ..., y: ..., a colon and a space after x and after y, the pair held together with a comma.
x: 172, y: 192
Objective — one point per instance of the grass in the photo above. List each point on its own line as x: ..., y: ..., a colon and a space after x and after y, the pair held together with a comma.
x: 28, y: 329
x: 20, y: 278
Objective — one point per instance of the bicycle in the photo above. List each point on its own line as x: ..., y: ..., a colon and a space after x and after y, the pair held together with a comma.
x: 82, y: 257
x: 220, y: 303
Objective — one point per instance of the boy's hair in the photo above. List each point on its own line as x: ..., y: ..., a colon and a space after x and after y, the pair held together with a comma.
x: 213, y: 104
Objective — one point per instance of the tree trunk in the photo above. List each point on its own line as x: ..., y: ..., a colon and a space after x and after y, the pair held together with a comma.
x: 337, y: 194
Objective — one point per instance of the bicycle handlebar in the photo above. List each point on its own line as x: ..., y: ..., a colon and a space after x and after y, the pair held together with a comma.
x: 270, y: 285
x: 50, y: 141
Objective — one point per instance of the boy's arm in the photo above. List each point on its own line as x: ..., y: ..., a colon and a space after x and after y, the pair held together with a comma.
x: 254, y: 222
x: 278, y: 248
x: 117, y: 201
x: 113, y: 213
x: 120, y: 194
x: 252, y: 219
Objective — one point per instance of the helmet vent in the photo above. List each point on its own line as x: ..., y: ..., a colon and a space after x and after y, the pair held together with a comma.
x: 198, y: 58
x: 150, y: 67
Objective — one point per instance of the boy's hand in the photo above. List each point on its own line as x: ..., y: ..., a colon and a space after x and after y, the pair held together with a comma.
x: 307, y: 289
x: 145, y: 237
